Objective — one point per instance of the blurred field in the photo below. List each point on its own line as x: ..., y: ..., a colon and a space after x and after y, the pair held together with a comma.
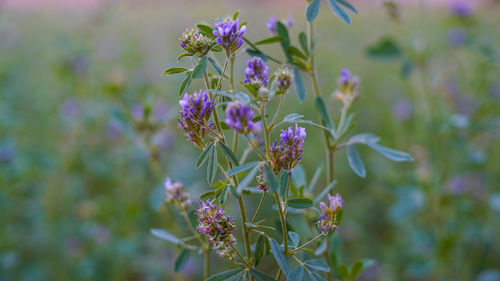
x: 81, y: 178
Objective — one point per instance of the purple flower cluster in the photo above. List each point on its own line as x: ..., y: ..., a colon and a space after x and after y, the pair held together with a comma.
x: 348, y: 87
x: 457, y: 37
x: 271, y: 23
x: 256, y: 71
x: 195, y: 114
x: 328, y: 221
x: 175, y: 194
x: 218, y: 228
x: 460, y: 8
x: 228, y: 34
x: 239, y: 118
x: 283, y: 79
x: 289, y: 152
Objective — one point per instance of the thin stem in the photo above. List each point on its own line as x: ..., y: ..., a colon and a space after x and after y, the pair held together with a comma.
x: 266, y: 129
x: 207, y: 264
x: 307, y: 243
x: 278, y: 275
x: 287, y: 192
x: 231, y: 72
x: 282, y: 98
x: 237, y: 252
x: 196, y: 234
x: 256, y: 148
x: 245, y: 230
x: 219, y: 83
x: 283, y: 222
x: 235, y: 141
x: 260, y: 206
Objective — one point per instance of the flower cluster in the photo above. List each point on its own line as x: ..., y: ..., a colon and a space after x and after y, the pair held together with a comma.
x: 460, y: 9
x: 348, y: 90
x: 175, y: 194
x: 256, y: 72
x: 271, y: 23
x: 289, y: 152
x: 239, y: 118
x: 283, y: 79
x: 329, y: 220
x: 195, y: 114
x: 261, y: 180
x: 218, y: 228
x: 194, y: 42
x: 228, y: 34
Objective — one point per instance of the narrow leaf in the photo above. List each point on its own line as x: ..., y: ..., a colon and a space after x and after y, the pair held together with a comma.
x: 259, y: 248
x: 185, y: 83
x: 203, y: 156
x: 300, y: 203
x: 242, y: 168
x: 225, y: 275
x: 296, y: 52
x: 174, y: 70
x: 317, y: 265
x: 293, y: 238
x: 321, y: 108
x: 283, y: 183
x: 325, y: 191
x: 272, y: 182
x: 229, y: 154
x: 247, y: 179
x: 212, y: 165
x: 394, y: 155
x: 295, y: 274
x: 312, y: 10
x: 260, y: 276
x: 356, y: 269
x: 348, y: 6
x: 303, y: 43
x: 215, y: 66
x: 205, y: 30
x: 256, y: 53
x: 355, y: 161
x: 181, y: 261
x: 314, y: 180
x: 269, y: 40
x: 299, y: 84
x: 339, y: 11
x: 165, y: 235
x: 200, y: 69
x: 279, y: 256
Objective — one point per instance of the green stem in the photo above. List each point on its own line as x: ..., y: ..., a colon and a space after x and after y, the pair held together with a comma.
x: 237, y: 252
x: 256, y: 148
x: 260, y: 206
x: 282, y: 98
x: 283, y: 222
x: 207, y: 264
x: 278, y: 275
x: 244, y: 226
x: 287, y: 192
x: 235, y: 141
x: 293, y: 251
x: 266, y: 129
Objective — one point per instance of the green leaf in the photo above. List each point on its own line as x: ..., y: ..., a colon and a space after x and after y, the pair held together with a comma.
x: 314, y: 179
x: 282, y: 31
x: 299, y: 84
x: 385, y: 48
x: 259, y: 248
x: 295, y: 274
x: 260, y: 276
x: 317, y: 277
x: 242, y: 168
x: 185, y: 83
x: 407, y: 67
x: 292, y: 117
x: 321, y: 108
x: 296, y: 52
x: 355, y: 161
x: 215, y: 66
x: 394, y: 155
x: 300, y: 203
x: 234, y: 192
x: 205, y: 30
x: 312, y: 10
x: 363, y: 139
x: 293, y: 239
x: 200, y: 69
x: 181, y: 261
x: 212, y: 165
x: 223, y: 195
x: 348, y: 6
x: 167, y: 236
x: 279, y: 256
x: 283, y: 183
x: 317, y: 264
x: 203, y: 156
x: 229, y: 154
x: 272, y: 182
x: 256, y: 53
x: 343, y: 271
x: 269, y: 40
x: 299, y: 176
x: 247, y: 179
x: 356, y: 269
x: 303, y: 43
x: 174, y: 70
x: 226, y: 275
x: 235, y: 16
x: 325, y: 191
x: 339, y: 11
x: 184, y: 55
x: 207, y: 194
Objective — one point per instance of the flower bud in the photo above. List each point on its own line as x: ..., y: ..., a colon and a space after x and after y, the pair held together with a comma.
x: 194, y: 42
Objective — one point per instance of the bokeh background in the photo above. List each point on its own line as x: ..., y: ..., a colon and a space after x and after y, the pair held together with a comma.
x: 81, y: 167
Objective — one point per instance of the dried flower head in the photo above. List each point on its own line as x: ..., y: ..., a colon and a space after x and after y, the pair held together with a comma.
x: 195, y: 115
x: 175, y: 194
x: 284, y: 77
x: 228, y: 34
x: 329, y: 220
x: 195, y: 43
x: 256, y: 72
x: 348, y: 85
x: 239, y: 118
x: 261, y: 180
x: 288, y: 153
x: 218, y: 228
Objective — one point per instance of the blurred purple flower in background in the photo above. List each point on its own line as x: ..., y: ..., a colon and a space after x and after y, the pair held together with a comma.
x: 7, y: 154
x: 457, y: 185
x: 114, y: 130
x: 271, y: 23
x: 137, y: 112
x: 460, y: 8
x: 175, y: 194
x: 239, y: 118
x: 79, y: 65
x: 457, y: 37
x: 402, y: 109
x: 69, y: 108
x: 163, y: 139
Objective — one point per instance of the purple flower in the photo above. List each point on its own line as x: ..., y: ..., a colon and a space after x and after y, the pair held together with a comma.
x: 457, y: 37
x: 218, y: 228
x: 283, y: 78
x: 138, y: 112
x: 289, y: 152
x: 228, y: 34
x: 328, y: 220
x: 195, y: 114
x: 348, y: 87
x: 271, y: 23
x: 402, y: 109
x: 175, y: 194
x: 239, y: 118
x: 256, y: 71
x: 460, y: 8
x: 70, y: 108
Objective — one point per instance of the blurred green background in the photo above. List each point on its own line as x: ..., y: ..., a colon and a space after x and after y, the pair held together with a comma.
x: 81, y: 172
